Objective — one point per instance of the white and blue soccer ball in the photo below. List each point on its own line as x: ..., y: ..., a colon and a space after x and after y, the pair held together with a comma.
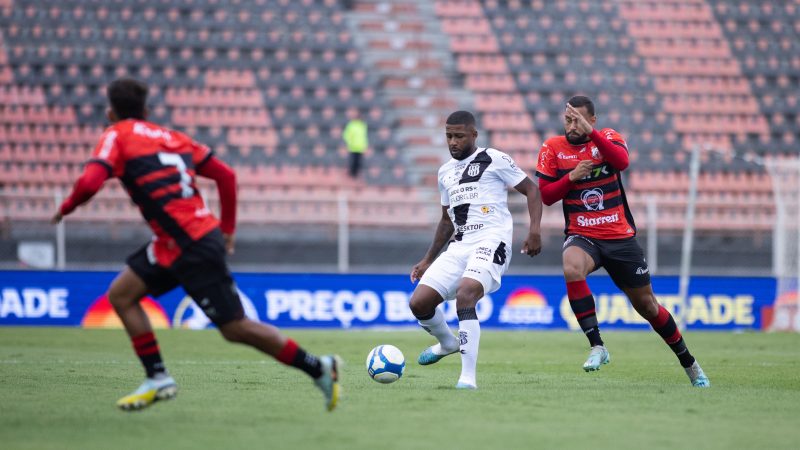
x: 385, y: 364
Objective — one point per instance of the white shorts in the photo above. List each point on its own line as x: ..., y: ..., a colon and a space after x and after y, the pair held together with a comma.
x: 485, y: 261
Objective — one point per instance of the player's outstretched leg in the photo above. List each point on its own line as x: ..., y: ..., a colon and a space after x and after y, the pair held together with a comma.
x: 664, y: 324
x: 645, y: 303
x: 124, y: 294
x: 423, y: 305
x: 323, y: 370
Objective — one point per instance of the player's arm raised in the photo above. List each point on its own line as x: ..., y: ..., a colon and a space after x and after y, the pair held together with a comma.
x: 533, y: 242
x: 444, y: 231
x: 91, y: 180
x: 225, y: 178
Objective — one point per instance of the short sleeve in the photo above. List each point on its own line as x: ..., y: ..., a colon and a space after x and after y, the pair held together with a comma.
x: 445, y: 197
x: 546, y: 164
x: 107, y: 152
x: 508, y: 171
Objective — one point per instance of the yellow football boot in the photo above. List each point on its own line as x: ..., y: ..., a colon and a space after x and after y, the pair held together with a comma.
x: 151, y: 391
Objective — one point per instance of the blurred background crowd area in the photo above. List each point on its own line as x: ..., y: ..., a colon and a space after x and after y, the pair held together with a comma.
x: 271, y: 84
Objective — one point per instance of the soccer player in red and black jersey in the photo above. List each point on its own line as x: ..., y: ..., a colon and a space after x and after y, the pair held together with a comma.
x: 157, y: 166
x: 583, y: 168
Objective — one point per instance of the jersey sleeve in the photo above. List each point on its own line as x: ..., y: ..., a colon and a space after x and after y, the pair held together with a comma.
x: 614, y: 137
x: 547, y: 165
x: 508, y: 171
x: 107, y: 152
x: 200, y: 153
x: 445, y: 197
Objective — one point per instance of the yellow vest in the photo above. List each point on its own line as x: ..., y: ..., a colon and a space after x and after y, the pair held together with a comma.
x: 355, y: 136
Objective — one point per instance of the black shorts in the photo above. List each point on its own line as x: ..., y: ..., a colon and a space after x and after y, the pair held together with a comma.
x: 202, y: 272
x: 623, y: 259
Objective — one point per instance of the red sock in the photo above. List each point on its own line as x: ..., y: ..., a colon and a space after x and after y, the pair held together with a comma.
x: 292, y: 355
x: 288, y: 352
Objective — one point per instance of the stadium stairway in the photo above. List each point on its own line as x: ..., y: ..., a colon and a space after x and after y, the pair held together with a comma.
x: 504, y: 116
x: 403, y: 43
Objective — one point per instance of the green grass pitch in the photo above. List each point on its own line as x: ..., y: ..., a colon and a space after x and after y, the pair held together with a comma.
x: 58, y: 388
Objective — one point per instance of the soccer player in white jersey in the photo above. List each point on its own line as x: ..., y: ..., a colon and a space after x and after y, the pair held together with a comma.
x: 474, y: 190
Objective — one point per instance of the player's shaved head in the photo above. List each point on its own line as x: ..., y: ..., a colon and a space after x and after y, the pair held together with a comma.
x: 461, y: 118
x: 128, y: 98
x: 579, y: 101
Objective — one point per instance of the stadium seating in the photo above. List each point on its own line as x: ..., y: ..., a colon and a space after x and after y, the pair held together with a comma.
x: 269, y: 84
x: 240, y: 77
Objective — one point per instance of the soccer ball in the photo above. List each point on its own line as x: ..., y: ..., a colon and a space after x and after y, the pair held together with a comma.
x: 385, y: 364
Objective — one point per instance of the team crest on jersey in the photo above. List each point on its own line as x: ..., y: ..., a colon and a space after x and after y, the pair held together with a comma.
x: 593, y: 199
x: 595, y: 153
x: 487, y: 209
x: 473, y: 169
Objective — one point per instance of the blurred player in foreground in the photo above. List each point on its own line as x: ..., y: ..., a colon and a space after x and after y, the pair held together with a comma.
x: 474, y: 196
x: 157, y: 166
x: 583, y: 169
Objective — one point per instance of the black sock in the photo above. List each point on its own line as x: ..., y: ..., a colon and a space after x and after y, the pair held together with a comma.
x: 587, y: 318
x: 308, y: 363
x: 293, y: 355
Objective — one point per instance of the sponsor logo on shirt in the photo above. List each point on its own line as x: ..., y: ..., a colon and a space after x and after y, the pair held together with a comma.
x: 584, y: 221
x: 465, y: 228
x: 463, y: 193
x: 562, y: 155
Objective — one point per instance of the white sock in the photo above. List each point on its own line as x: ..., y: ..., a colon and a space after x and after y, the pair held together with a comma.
x: 437, y: 327
x: 469, y: 336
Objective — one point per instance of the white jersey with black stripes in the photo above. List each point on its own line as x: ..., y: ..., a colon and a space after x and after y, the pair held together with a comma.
x: 475, y: 190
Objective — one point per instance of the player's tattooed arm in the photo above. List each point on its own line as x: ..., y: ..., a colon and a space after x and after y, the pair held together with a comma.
x: 533, y: 242
x: 444, y: 231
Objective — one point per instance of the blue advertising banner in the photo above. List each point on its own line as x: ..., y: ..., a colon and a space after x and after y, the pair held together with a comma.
x: 347, y: 301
